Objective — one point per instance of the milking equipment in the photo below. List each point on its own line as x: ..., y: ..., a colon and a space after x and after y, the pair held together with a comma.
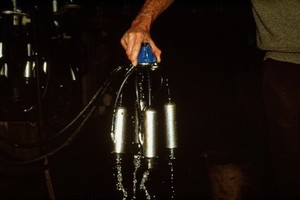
x: 144, y: 120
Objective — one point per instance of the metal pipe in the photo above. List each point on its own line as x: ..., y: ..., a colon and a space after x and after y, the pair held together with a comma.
x: 150, y: 140
x: 119, y: 130
x: 170, y: 125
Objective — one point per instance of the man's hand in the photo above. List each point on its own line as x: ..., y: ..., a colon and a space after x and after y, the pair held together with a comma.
x: 139, y: 31
x: 132, y: 41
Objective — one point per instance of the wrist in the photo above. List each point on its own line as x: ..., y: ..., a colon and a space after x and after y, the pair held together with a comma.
x: 142, y: 21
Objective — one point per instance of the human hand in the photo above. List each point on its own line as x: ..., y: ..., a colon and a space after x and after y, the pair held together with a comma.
x: 132, y: 41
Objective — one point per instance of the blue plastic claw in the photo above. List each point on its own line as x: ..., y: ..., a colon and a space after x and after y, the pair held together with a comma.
x: 146, y: 56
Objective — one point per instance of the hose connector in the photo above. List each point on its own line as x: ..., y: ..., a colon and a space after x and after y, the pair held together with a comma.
x: 146, y: 56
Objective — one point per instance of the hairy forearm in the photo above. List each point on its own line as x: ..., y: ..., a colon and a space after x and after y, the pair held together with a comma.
x: 139, y: 32
x: 150, y: 11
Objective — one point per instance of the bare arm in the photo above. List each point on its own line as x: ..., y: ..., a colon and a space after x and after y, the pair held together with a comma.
x: 139, y: 31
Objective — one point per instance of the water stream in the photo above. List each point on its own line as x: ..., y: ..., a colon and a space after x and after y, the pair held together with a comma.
x: 119, y: 185
x: 137, y: 165
x: 143, y: 187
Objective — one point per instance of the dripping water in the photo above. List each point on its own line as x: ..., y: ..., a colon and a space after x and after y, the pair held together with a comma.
x: 119, y: 184
x: 172, y: 188
x: 137, y: 165
x: 144, y: 180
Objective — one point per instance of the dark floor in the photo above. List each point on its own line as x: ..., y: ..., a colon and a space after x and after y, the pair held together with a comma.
x: 84, y: 170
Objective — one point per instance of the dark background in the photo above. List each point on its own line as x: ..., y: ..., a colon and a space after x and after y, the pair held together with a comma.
x: 209, y: 53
